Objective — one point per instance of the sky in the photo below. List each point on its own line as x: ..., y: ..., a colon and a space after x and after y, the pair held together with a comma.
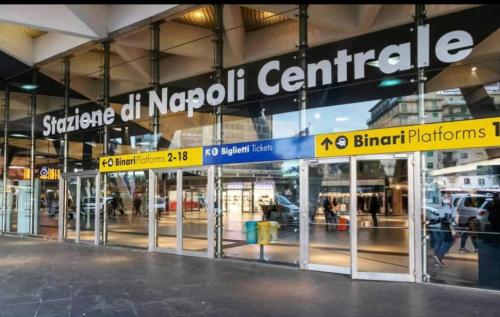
x: 347, y: 117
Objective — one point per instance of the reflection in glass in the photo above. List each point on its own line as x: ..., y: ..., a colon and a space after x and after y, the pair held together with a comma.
x: 194, y: 211
x: 382, y: 203
x: 329, y: 219
x: 87, y: 209
x: 127, y: 209
x: 264, y: 191
x: 166, y: 209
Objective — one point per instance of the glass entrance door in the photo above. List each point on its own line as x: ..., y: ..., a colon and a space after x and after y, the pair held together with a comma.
x: 329, y: 247
x: 383, y: 230
x: 79, y: 208
x: 182, y: 212
x: 360, y: 217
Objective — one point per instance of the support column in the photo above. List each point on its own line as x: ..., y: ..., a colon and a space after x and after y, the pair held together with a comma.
x: 218, y: 72
x: 155, y: 123
x: 105, y: 137
x: 33, y: 199
x: 420, y: 167
x: 303, y: 64
x: 155, y: 73
x: 5, y: 223
x: 303, y: 131
x: 62, y: 217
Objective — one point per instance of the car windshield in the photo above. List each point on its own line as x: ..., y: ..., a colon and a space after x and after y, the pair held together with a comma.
x: 283, y: 201
x: 474, y: 202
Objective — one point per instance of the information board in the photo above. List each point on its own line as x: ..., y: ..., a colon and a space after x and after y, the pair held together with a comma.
x: 151, y: 160
x: 427, y: 137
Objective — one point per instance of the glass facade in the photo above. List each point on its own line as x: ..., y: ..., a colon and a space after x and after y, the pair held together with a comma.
x: 428, y: 216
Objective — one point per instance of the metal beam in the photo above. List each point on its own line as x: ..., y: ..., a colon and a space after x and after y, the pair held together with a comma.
x: 5, y: 225
x: 32, y: 158
x: 419, y: 168
x: 218, y: 73
x: 63, y: 212
x: 155, y: 72
x: 303, y: 130
x: 105, y: 104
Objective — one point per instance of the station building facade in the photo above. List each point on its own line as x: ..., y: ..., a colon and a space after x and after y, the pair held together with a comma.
x: 210, y: 76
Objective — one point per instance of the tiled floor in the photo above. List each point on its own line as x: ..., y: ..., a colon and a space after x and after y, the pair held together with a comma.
x: 48, y: 278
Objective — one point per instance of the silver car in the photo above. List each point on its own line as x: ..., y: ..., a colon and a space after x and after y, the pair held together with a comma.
x: 471, y: 206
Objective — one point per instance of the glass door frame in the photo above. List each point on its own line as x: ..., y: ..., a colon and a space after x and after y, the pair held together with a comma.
x: 353, y: 227
x: 62, y: 215
x: 304, y: 206
x: 153, y: 219
x: 410, y: 276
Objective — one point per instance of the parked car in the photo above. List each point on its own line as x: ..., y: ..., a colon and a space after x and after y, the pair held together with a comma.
x: 432, y: 215
x: 282, y: 211
x: 88, y: 205
x: 470, y: 206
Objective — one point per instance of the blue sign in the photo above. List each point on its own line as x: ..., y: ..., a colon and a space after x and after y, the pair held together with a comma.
x: 259, y: 151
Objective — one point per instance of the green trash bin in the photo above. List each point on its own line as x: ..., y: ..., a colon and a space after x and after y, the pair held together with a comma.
x: 251, y: 232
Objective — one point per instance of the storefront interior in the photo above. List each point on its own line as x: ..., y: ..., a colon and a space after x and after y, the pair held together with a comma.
x: 385, y: 204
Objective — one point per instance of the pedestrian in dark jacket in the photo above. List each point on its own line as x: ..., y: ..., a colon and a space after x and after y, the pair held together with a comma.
x: 374, y: 209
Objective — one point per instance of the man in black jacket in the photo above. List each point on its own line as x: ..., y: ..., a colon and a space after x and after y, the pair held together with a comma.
x: 374, y: 209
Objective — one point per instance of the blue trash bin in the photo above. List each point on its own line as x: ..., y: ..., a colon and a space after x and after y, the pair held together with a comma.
x: 251, y: 232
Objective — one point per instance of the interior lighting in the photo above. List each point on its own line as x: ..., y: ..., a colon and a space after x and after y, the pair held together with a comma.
x: 117, y: 128
x: 29, y: 87
x: 18, y: 135
x: 389, y: 82
x: 473, y: 69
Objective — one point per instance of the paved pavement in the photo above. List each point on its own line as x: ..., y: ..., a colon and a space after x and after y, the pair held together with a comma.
x: 47, y: 278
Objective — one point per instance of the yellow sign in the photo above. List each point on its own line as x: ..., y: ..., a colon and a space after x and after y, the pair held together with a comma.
x: 43, y: 173
x: 160, y: 159
x: 428, y: 137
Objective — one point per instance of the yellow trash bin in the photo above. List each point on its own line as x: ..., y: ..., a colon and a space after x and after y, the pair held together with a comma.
x: 274, y: 230
x: 264, y: 232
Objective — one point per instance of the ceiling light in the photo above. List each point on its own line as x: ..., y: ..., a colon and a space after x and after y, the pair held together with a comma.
x: 389, y: 82
x: 18, y: 135
x: 16, y: 167
x: 117, y: 128
x: 473, y: 69
x: 29, y: 87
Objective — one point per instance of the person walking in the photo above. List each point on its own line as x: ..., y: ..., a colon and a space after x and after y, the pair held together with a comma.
x: 471, y: 231
x: 374, y: 209
x: 137, y: 204
x: 335, y: 211
x: 441, y: 231
x: 114, y: 204
x: 327, y: 210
